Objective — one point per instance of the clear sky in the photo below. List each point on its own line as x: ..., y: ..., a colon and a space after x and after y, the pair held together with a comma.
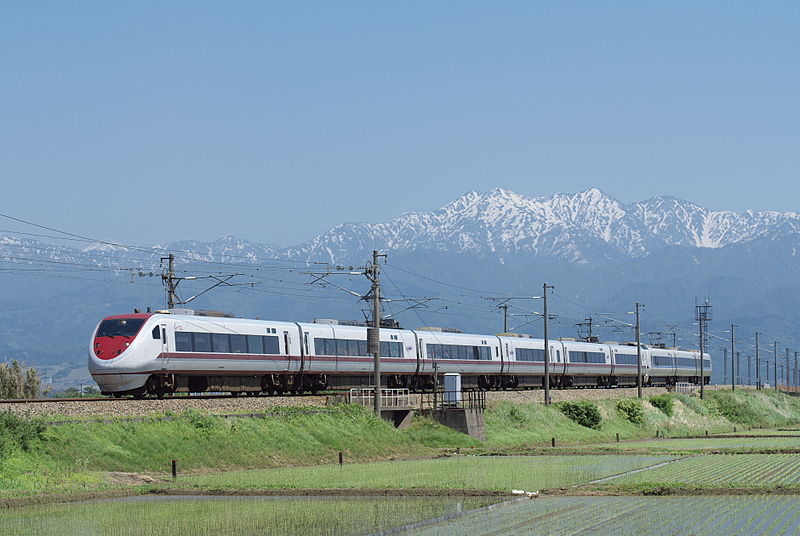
x: 146, y: 122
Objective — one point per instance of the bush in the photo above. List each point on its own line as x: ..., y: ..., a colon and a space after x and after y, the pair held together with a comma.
x: 19, y: 432
x: 631, y: 409
x: 584, y: 413
x: 664, y: 403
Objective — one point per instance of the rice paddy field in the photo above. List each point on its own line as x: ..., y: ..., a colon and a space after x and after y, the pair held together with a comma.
x: 720, y: 470
x: 502, y: 473
x: 700, y: 444
x: 673, y: 516
x: 214, y: 516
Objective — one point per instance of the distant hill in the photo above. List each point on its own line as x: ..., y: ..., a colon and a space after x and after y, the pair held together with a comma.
x: 601, y: 255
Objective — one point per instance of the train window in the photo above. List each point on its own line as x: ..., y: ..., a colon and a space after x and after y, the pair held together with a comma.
x: 486, y: 353
x: 238, y: 344
x: 363, y: 349
x: 120, y: 327
x: 352, y: 347
x: 631, y: 359
x: 341, y: 347
x: 254, y: 345
x: 201, y: 342
x: 183, y: 342
x: 530, y: 354
x: 271, y: 345
x: 157, y: 332
x: 220, y: 343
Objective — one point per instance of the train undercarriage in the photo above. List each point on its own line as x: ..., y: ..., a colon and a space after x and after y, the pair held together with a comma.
x: 160, y: 385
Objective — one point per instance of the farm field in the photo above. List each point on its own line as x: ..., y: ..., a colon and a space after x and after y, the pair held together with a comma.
x: 763, y: 515
x: 502, y: 473
x: 212, y: 516
x: 698, y: 444
x: 721, y: 470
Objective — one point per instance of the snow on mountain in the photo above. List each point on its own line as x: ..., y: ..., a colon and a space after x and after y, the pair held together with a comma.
x: 578, y: 227
x: 575, y: 227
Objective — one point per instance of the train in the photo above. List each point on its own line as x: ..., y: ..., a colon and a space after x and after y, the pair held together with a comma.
x: 185, y: 351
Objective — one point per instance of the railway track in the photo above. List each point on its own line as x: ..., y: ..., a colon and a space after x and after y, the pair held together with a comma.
x: 145, y: 399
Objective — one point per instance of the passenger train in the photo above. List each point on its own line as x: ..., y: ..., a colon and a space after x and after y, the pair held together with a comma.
x: 183, y: 351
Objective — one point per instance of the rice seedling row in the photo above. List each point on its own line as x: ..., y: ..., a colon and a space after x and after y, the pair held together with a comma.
x: 632, y: 515
x: 740, y: 469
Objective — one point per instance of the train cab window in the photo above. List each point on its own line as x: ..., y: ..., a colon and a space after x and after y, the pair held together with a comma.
x: 238, y: 344
x: 201, y: 342
x: 254, y: 344
x: 157, y: 332
x: 220, y: 342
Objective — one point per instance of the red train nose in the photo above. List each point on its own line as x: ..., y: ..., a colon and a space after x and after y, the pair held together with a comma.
x: 115, y: 334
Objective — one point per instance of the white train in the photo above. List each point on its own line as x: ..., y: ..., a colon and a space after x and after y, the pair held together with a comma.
x: 180, y: 351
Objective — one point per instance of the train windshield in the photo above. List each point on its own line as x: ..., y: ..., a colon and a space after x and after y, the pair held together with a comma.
x: 120, y: 327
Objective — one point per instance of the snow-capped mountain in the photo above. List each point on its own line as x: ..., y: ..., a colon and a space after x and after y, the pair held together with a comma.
x: 576, y: 227
x: 580, y: 227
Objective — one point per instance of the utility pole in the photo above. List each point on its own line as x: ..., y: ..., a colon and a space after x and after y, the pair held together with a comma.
x: 786, y: 376
x: 546, y: 347
x: 795, y: 369
x: 702, y: 315
x: 169, y: 281
x: 738, y: 370
x: 734, y: 364
x: 725, y: 365
x: 758, y: 366
x: 638, y: 353
x: 749, y: 370
x: 775, y: 364
x: 505, y: 303
x: 374, y: 333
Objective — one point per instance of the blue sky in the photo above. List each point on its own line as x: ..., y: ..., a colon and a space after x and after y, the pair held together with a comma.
x: 146, y: 122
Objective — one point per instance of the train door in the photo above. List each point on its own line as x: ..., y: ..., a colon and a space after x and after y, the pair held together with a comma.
x: 164, y: 347
x: 287, y: 341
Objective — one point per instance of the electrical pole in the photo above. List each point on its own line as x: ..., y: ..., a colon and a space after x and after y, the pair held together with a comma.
x: 638, y: 353
x: 775, y: 364
x: 786, y: 376
x: 169, y: 281
x: 702, y: 315
x: 374, y: 333
x: 738, y: 369
x: 546, y: 348
x: 795, y: 369
x: 725, y: 365
x: 758, y: 366
x: 734, y: 364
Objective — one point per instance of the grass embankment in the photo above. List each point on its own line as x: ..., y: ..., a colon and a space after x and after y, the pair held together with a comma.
x: 77, y: 457
x: 80, y: 457
x: 512, y: 426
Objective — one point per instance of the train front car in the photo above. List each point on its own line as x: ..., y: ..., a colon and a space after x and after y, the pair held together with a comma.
x: 123, y: 351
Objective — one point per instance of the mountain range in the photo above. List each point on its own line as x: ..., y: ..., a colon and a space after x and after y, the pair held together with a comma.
x: 602, y: 255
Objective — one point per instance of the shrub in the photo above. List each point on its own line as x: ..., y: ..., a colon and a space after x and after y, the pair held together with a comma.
x: 199, y: 420
x: 631, y: 409
x: 584, y: 413
x: 20, y: 432
x: 664, y: 403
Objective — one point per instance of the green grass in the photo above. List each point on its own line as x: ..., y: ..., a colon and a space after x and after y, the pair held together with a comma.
x: 719, y: 470
x: 460, y: 472
x: 510, y: 425
x: 678, y: 516
x: 70, y: 457
x: 700, y: 444
x: 210, y: 516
